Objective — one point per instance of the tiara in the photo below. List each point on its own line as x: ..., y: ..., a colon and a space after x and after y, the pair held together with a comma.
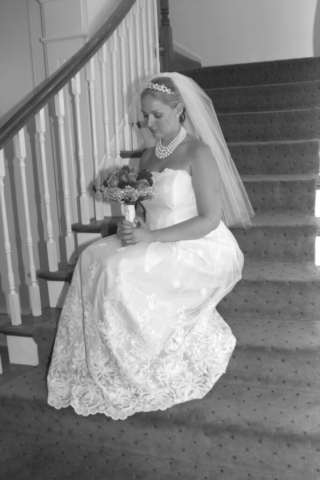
x: 159, y: 88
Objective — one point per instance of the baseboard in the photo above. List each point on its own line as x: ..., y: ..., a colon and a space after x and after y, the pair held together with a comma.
x: 187, y: 53
x: 22, y: 350
x: 57, y: 293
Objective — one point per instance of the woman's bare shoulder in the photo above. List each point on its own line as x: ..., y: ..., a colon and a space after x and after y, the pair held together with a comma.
x: 197, y: 149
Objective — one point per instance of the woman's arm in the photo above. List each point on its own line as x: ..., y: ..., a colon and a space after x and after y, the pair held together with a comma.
x: 140, y: 211
x: 207, y: 187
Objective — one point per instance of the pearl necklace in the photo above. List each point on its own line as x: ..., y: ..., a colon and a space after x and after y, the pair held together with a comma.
x: 163, y: 152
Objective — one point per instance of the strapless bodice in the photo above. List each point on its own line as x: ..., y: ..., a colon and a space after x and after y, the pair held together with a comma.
x: 174, y: 201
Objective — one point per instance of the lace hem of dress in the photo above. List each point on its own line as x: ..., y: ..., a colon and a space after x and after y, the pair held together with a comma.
x: 129, y: 411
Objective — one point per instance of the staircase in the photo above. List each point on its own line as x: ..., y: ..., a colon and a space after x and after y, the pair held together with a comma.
x: 262, y: 420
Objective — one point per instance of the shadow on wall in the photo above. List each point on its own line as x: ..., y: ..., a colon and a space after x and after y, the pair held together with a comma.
x: 316, y: 32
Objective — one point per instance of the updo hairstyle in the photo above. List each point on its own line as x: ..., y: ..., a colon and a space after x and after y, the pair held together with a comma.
x: 171, y: 99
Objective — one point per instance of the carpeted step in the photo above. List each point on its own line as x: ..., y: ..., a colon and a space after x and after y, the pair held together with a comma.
x: 261, y: 73
x: 248, y: 426
x: 281, y: 193
x: 271, y: 126
x: 276, y: 158
x: 279, y: 238
x: 288, y: 291
x: 264, y: 98
x: 60, y: 459
x: 276, y: 352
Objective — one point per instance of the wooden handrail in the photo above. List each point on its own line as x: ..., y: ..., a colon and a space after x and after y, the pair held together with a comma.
x: 60, y: 78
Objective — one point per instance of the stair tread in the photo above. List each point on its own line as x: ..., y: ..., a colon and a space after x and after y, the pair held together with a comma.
x: 257, y: 73
x: 265, y: 98
x: 282, y: 219
x: 109, y: 463
x: 292, y: 177
x: 257, y: 332
x: 95, y: 225
x: 281, y: 271
x: 252, y: 407
x: 289, y: 125
x: 276, y: 157
x: 266, y: 87
x: 29, y: 323
x: 247, y: 417
x: 63, y: 274
x: 276, y: 334
x: 131, y: 153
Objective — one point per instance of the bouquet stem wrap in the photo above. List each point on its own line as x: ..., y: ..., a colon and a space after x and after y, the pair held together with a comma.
x: 129, y: 212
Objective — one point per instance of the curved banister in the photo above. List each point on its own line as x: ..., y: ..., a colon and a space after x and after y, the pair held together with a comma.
x: 59, y: 79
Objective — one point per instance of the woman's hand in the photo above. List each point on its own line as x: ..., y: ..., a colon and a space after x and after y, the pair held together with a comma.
x: 128, y: 234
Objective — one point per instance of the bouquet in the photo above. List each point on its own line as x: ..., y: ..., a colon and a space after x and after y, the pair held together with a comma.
x: 127, y: 185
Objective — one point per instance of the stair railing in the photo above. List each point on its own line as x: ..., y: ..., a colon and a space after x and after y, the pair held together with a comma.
x: 104, y: 77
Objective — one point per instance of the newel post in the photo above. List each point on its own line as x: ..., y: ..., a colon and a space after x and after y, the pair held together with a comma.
x: 166, y: 44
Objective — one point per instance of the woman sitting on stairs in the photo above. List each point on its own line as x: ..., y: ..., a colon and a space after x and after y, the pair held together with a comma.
x: 139, y: 330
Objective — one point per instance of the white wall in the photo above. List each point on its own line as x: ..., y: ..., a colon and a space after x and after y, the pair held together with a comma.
x: 242, y: 31
x: 98, y: 12
x: 15, y: 56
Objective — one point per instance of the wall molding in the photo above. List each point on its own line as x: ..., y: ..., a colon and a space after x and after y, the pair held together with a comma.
x: 60, y: 38
x: 186, y: 52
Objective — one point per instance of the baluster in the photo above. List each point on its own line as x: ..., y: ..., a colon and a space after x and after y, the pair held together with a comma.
x: 135, y: 135
x: 126, y: 128
x: 20, y: 153
x: 144, y: 38
x: 60, y: 113
x: 136, y: 11
x: 51, y: 244
x: 103, y: 56
x: 84, y: 200
x: 113, y: 45
x: 90, y: 76
x: 150, y: 38
x: 14, y: 302
x: 156, y: 34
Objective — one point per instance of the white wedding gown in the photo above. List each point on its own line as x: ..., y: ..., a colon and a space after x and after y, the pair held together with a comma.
x: 139, y: 330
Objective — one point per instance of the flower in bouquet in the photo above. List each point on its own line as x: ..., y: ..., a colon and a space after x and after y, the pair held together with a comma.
x: 127, y: 185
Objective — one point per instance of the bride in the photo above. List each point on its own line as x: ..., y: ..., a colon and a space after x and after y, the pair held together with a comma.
x: 139, y: 330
